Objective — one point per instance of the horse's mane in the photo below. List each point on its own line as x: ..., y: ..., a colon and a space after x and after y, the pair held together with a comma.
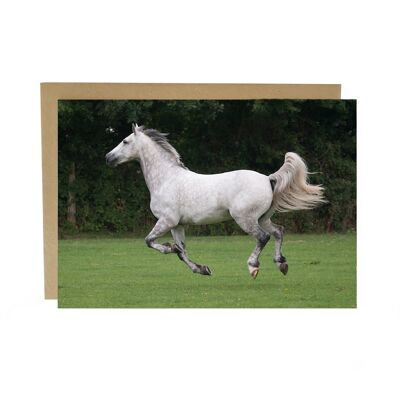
x: 161, y: 139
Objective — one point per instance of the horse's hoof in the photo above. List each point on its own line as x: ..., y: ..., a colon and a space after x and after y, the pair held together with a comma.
x: 254, y: 273
x: 283, y: 267
x: 205, y: 270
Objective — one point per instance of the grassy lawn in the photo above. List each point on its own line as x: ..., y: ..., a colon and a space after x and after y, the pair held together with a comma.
x: 125, y: 273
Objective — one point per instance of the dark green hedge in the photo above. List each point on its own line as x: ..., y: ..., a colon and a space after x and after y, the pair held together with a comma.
x: 212, y: 137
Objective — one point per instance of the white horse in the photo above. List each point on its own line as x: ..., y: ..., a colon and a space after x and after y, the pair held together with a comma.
x: 181, y: 197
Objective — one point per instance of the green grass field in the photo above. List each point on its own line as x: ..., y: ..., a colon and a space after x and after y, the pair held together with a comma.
x: 125, y: 273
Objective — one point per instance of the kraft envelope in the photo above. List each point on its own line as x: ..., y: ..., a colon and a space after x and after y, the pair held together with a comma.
x: 52, y: 92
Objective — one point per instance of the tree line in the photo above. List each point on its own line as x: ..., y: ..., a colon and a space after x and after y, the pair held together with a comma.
x: 212, y: 136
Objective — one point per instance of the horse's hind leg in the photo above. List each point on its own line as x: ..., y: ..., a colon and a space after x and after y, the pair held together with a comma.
x: 179, y: 247
x: 252, y: 227
x: 277, y: 232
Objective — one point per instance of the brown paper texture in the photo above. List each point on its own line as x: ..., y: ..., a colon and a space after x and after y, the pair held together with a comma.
x: 52, y: 92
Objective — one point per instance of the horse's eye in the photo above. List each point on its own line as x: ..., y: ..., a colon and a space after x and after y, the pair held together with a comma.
x: 125, y: 141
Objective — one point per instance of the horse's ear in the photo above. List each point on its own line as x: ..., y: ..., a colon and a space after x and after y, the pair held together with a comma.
x: 134, y: 127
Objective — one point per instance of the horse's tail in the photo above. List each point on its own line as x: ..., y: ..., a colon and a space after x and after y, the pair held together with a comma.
x: 291, y: 189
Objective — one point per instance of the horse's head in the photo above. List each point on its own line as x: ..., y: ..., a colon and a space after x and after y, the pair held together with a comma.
x: 127, y: 150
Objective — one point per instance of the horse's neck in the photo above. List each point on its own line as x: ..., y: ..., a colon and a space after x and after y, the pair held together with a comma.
x: 154, y: 166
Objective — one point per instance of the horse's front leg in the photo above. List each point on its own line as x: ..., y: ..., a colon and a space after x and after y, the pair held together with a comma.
x: 161, y: 228
x: 178, y: 234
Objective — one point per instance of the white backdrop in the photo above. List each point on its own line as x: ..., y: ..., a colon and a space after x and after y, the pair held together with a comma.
x: 48, y: 353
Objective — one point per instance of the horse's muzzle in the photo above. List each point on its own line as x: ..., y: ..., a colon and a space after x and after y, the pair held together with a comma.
x: 111, y: 160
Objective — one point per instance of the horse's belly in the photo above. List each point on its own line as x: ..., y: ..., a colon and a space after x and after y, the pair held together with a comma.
x: 207, y: 217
